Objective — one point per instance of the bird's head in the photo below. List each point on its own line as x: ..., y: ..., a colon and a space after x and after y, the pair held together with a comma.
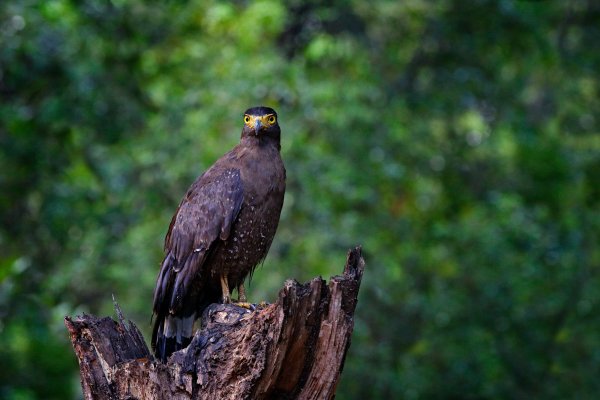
x: 261, y: 122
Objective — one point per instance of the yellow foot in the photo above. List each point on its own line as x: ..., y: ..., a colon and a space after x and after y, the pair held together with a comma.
x: 262, y: 305
x: 245, y: 304
x: 251, y: 306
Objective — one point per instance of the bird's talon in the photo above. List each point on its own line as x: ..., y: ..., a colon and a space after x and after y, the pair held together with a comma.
x: 246, y: 305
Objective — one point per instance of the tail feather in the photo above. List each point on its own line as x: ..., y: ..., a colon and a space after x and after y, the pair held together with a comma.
x: 176, y: 305
x: 171, y: 334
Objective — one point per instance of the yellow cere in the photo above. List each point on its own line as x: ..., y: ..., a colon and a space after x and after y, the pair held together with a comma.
x: 265, y: 120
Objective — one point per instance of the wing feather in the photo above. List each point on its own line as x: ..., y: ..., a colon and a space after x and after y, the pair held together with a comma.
x: 205, y: 215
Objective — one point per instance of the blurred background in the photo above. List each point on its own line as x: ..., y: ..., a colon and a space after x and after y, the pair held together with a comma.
x: 457, y: 141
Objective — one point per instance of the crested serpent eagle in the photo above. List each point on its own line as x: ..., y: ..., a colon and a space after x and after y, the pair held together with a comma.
x: 221, y: 230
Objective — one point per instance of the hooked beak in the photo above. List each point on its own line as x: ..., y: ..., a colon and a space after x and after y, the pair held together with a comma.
x: 257, y: 126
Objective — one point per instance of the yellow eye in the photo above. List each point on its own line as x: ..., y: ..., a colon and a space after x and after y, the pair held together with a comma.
x: 246, y: 119
x: 271, y: 119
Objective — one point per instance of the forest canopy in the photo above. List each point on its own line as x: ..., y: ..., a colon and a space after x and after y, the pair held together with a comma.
x: 457, y: 141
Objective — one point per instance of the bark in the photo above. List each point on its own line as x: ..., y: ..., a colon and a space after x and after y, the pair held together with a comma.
x: 292, y: 349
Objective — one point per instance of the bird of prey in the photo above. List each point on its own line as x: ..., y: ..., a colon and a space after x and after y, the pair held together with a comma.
x: 221, y: 230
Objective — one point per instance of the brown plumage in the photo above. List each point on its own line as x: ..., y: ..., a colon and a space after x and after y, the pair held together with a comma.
x: 221, y: 230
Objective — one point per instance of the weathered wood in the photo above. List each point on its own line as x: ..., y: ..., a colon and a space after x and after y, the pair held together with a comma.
x: 292, y: 349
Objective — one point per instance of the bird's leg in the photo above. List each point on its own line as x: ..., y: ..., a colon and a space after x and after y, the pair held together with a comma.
x: 225, y: 289
x: 242, y: 293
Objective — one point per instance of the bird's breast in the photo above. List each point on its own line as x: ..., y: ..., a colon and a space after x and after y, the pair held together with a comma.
x: 263, y: 179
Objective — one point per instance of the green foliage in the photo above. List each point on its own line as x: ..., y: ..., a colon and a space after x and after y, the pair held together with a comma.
x: 457, y: 141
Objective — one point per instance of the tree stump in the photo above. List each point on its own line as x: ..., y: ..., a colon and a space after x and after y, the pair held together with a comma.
x: 292, y: 349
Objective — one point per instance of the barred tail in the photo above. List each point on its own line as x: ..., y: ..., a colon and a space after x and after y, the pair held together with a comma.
x: 170, y: 334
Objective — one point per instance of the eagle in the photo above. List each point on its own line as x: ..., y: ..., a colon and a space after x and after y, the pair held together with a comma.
x: 221, y: 231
